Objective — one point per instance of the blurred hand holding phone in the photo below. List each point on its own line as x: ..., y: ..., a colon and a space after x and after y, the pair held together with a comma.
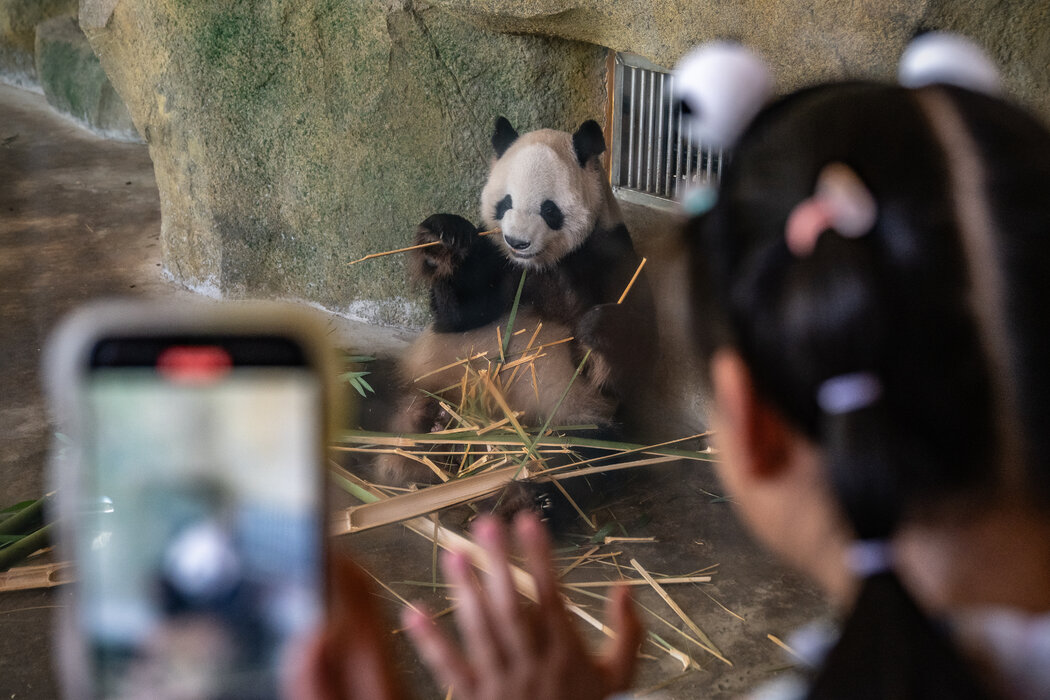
x: 192, y: 498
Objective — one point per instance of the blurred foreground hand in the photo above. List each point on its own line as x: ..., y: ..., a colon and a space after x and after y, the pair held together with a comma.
x: 511, y: 648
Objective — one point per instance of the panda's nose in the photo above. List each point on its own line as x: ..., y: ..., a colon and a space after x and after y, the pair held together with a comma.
x: 517, y: 243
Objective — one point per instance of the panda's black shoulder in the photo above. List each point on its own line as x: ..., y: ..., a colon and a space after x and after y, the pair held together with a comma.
x: 604, y: 252
x: 614, y: 241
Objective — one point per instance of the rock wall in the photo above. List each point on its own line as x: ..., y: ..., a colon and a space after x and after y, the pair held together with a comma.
x: 74, y: 83
x: 804, y: 42
x: 18, y: 21
x: 292, y: 138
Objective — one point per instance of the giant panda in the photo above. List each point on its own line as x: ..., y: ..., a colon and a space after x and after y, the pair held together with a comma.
x: 548, y: 195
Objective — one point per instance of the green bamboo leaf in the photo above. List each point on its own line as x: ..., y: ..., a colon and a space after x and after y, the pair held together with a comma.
x: 12, y: 554
x: 27, y: 517
x: 356, y: 359
x: 513, y: 314
x: 353, y: 489
x: 602, y: 533
x: 18, y: 506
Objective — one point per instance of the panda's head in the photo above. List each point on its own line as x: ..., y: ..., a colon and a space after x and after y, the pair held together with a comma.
x: 545, y: 191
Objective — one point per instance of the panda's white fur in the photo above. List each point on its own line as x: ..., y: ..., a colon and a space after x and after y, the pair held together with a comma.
x: 541, y: 165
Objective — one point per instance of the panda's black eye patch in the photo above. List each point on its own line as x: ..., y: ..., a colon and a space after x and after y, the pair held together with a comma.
x: 502, y: 206
x: 552, y: 214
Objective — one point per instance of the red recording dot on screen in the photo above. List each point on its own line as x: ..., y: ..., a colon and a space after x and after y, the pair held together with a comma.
x: 194, y: 364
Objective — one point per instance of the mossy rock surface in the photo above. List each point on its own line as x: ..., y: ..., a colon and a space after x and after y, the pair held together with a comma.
x: 74, y: 82
x: 289, y: 139
x: 18, y: 21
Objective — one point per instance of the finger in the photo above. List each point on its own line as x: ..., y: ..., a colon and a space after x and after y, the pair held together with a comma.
x: 308, y: 679
x: 356, y: 661
x: 472, y: 611
x: 536, y: 548
x: 552, y: 626
x: 441, y: 656
x: 488, y: 532
x: 620, y: 657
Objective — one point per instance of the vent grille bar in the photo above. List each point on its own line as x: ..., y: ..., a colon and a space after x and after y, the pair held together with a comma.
x: 653, y: 156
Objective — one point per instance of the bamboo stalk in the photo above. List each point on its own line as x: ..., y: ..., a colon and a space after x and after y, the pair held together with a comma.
x: 457, y: 363
x: 411, y: 247
x: 707, y: 645
x: 579, y: 511
x: 631, y: 283
x: 640, y: 582
x: 577, y: 561
x: 417, y: 503
x: 24, y: 518
x: 584, y: 585
x: 22, y: 578
x: 523, y: 581
x: 783, y: 645
x: 428, y: 463
x: 14, y: 553
x: 470, y: 437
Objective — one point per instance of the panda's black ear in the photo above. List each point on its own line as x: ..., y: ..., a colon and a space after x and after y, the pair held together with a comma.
x: 503, y: 136
x: 588, y: 141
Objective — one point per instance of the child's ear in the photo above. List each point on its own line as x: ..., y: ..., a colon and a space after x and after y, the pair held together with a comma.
x: 753, y: 432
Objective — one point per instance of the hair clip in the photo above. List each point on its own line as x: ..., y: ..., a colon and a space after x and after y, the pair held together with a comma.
x: 720, y: 87
x: 943, y: 57
x: 699, y: 199
x: 840, y: 202
x: 866, y: 558
x: 849, y: 392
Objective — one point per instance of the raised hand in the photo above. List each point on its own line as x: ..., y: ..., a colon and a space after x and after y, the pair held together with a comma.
x: 511, y: 648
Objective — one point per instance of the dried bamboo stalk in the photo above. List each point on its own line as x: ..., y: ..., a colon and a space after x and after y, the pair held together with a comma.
x: 467, y: 436
x: 371, y: 256
x: 783, y: 645
x: 631, y: 283
x: 578, y: 560
x: 22, y: 578
x: 579, y: 511
x: 523, y: 581
x: 707, y: 644
x: 584, y: 585
x: 426, y: 462
x: 470, y: 358
x: 639, y: 582
x: 417, y: 503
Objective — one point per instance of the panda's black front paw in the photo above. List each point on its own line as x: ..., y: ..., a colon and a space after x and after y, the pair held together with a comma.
x: 448, y: 239
x: 620, y: 344
x: 521, y: 496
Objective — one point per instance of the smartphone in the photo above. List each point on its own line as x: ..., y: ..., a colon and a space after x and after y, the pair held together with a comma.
x: 190, y: 492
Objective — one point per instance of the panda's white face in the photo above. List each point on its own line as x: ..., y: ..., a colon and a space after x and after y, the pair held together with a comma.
x: 544, y: 202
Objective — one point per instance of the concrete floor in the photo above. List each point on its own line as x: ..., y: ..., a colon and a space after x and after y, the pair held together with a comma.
x: 79, y: 219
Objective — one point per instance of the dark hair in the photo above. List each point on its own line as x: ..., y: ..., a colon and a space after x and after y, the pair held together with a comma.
x: 942, y: 304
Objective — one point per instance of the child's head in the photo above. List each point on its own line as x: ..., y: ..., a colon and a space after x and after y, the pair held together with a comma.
x: 930, y: 325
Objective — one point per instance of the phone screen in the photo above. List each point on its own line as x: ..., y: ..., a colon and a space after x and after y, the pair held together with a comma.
x: 200, y: 546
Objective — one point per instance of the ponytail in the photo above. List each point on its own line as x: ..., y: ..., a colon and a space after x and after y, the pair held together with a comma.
x: 890, y: 649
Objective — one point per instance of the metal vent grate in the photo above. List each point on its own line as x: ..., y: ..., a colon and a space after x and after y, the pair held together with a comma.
x: 653, y: 157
